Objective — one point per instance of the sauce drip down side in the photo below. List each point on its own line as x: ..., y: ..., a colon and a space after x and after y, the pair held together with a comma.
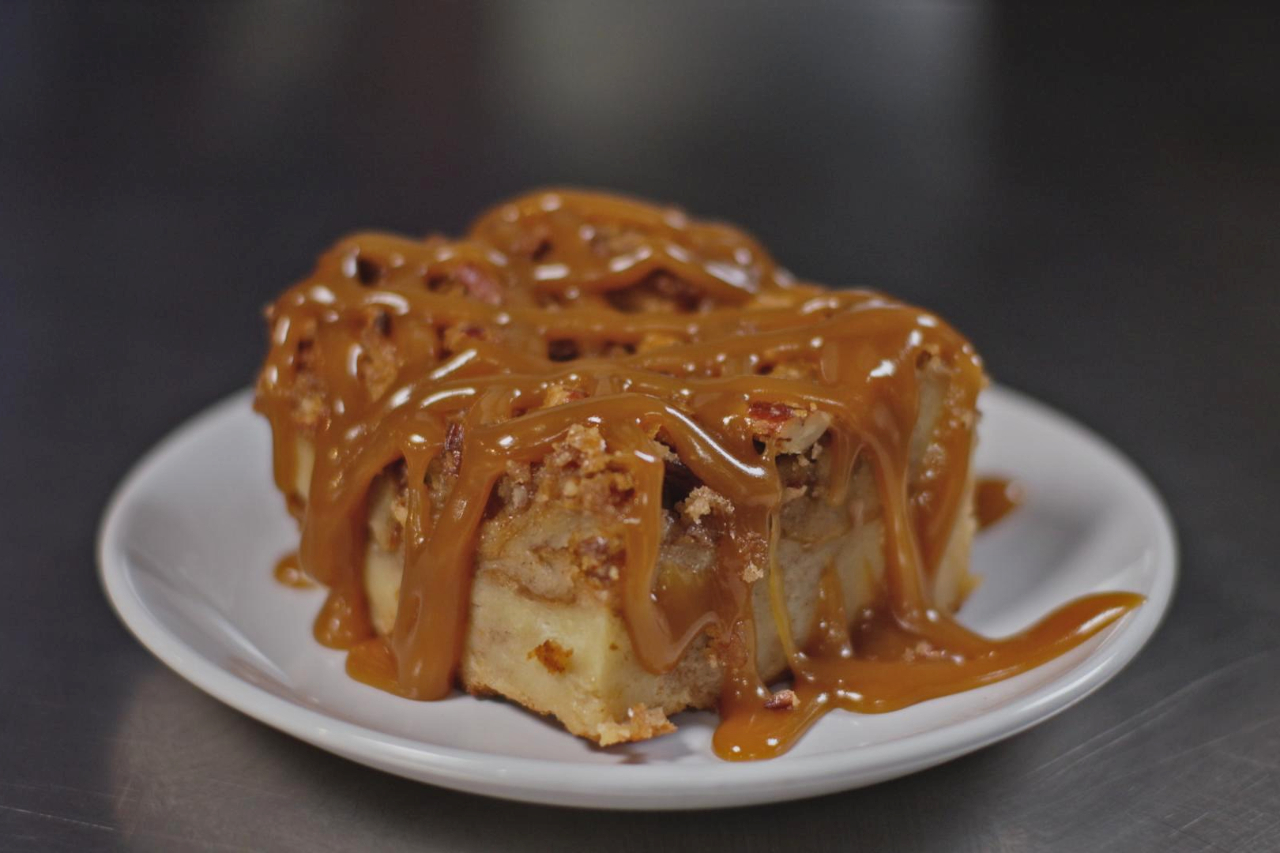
x: 289, y: 572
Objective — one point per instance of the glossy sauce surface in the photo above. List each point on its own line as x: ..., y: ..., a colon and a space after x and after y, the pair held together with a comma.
x: 289, y: 572
x: 412, y: 352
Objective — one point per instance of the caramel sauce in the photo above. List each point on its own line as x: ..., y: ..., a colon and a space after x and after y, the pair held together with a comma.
x: 290, y: 573
x: 372, y: 662
x: 882, y: 665
x: 397, y: 350
x: 993, y: 499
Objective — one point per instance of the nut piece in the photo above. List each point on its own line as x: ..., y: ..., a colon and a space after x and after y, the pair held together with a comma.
x: 704, y: 501
x: 785, y: 428
x: 783, y: 700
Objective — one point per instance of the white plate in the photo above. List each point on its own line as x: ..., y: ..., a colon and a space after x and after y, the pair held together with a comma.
x: 189, y: 540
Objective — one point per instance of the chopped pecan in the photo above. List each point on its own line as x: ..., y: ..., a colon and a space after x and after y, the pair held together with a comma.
x: 783, y: 700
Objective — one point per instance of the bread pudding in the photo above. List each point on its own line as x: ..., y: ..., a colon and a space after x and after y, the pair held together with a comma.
x: 610, y: 462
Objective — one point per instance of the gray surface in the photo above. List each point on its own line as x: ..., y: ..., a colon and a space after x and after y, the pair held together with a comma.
x: 1094, y: 197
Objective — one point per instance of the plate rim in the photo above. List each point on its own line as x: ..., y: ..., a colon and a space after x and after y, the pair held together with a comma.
x: 640, y: 786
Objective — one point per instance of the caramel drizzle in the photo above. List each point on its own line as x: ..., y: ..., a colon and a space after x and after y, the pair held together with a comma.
x: 289, y: 572
x: 470, y: 329
x: 993, y: 499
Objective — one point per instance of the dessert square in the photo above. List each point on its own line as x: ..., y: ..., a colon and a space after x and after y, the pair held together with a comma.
x: 610, y: 463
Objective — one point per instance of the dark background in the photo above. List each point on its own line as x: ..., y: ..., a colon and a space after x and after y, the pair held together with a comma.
x: 1093, y: 195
